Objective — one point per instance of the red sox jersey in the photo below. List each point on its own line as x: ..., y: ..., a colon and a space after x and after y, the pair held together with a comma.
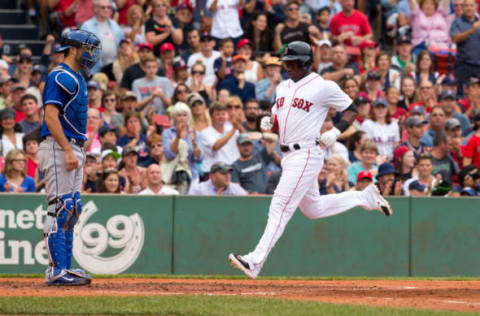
x: 301, y: 107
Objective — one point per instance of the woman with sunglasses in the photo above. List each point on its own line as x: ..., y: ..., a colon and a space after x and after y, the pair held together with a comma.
x: 197, y: 85
x: 109, y: 104
x: 14, y: 177
x: 180, y: 93
x: 200, y: 116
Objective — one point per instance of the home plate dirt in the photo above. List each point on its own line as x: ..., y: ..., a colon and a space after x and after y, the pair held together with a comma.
x: 435, y: 295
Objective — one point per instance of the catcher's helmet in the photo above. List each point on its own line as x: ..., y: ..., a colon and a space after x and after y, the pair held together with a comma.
x: 300, y: 51
x: 81, y: 38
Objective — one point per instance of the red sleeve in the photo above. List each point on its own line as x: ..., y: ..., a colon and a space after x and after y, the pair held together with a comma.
x: 469, y: 149
x: 366, y: 29
x: 334, y: 25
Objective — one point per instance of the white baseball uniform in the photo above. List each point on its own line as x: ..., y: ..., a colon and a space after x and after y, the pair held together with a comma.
x: 300, y: 109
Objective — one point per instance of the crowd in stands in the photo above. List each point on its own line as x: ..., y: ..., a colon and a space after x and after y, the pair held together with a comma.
x: 176, y: 99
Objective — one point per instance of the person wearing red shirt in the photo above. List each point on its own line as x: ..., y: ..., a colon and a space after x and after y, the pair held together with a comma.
x: 472, y: 96
x: 350, y: 26
x: 123, y: 6
x: 65, y: 9
x: 30, y: 145
x: 428, y: 98
x: 471, y: 151
x: 393, y: 96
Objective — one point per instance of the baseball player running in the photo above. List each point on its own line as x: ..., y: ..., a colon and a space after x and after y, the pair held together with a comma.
x: 301, y: 105
x: 61, y: 155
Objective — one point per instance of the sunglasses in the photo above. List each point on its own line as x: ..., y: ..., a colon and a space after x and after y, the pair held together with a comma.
x: 198, y: 72
x: 234, y: 106
x: 293, y: 9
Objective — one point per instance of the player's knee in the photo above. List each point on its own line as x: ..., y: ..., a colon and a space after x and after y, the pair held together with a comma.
x: 77, y: 211
x: 64, y: 211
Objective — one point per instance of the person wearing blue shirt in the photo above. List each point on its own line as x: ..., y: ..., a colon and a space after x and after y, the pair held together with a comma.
x: 219, y: 183
x: 61, y: 154
x: 236, y: 83
x: 14, y: 178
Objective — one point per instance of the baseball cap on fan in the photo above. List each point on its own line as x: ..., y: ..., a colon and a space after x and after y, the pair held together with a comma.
x: 364, y: 174
x: 220, y: 167
x: 243, y: 138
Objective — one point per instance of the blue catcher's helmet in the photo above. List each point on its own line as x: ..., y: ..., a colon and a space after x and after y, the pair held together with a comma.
x: 87, y: 40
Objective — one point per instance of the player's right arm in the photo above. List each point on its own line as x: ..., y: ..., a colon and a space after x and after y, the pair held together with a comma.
x: 55, y: 128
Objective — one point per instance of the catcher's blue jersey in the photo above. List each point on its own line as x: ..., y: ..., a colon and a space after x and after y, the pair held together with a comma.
x: 67, y: 90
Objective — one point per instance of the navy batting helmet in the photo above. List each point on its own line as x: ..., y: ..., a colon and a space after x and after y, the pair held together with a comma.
x: 300, y: 51
x: 83, y: 39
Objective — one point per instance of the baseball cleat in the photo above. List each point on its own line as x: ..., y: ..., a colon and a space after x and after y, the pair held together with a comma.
x: 239, y: 263
x: 68, y: 280
x: 381, y: 204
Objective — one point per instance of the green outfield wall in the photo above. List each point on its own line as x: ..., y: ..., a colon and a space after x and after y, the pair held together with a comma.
x: 194, y: 235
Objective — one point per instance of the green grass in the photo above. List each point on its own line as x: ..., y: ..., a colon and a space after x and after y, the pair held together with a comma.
x: 195, y: 305
x: 241, y: 277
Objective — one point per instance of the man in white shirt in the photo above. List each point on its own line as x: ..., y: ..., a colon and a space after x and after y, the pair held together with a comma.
x: 207, y: 57
x: 154, y: 183
x: 220, y: 137
x: 225, y: 19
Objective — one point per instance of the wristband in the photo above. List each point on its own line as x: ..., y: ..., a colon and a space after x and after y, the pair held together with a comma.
x: 342, y: 125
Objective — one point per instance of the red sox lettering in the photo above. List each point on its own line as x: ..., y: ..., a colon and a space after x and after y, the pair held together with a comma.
x: 298, y: 103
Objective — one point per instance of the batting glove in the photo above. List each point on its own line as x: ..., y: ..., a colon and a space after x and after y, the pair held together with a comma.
x: 330, y: 137
x: 266, y: 123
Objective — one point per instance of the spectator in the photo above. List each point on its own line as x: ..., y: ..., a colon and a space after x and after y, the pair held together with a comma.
x: 404, y: 60
x: 381, y: 129
x: 465, y: 32
x: 294, y: 29
x: 389, y: 77
x: 154, y: 183
x: 180, y: 93
x: 336, y: 177
x: 368, y: 152
x: 207, y: 56
x: 368, y: 56
x: 223, y: 95
x: 110, y: 182
x: 135, y: 29
x: 429, y: 25
x: 437, y: 124
x: 219, y: 183
x: 193, y: 41
x: 258, y: 33
x: 219, y: 138
x: 109, y: 105
x: 3, y: 68
x: 159, y: 28
x: 225, y: 18
x: 455, y: 140
x: 448, y: 101
x: 427, y: 96
x: 418, y: 189
x: 180, y: 73
x: 128, y: 102
x: 90, y: 174
x: 443, y: 163
x: 453, y: 127
x: 265, y: 88
x: 236, y: 83
x: 424, y: 168
x: 323, y: 15
x: 250, y: 170
x: 109, y: 159
x: 351, y: 87
x: 109, y: 33
x: 472, y: 96
x: 424, y: 68
x: 5, y: 91
x: 183, y: 148
x: 183, y: 21
x: 457, y: 12
x: 323, y: 55
x: 30, y: 143
x: 65, y: 11
x: 108, y: 135
x: 134, y: 136
x: 18, y: 91
x: 136, y: 71
x: 404, y: 163
x: 355, y: 142
x: 134, y: 175
x: 223, y: 64
x: 364, y: 178
x: 155, y: 150
x: 198, y: 83
x: 30, y: 107
x: 10, y: 132
x: 471, y: 153
x: 252, y: 114
x: 14, y: 178
x: 23, y: 73
x: 392, y: 96
x: 94, y: 122
x: 127, y: 56
x: 253, y: 70
x: 94, y: 95
x: 200, y: 117
x: 408, y: 92
x: 415, y: 129
x: 340, y: 67
x: 387, y: 183
x: 153, y: 90
x: 337, y: 147
x: 373, y: 88
x: 467, y: 179
x: 350, y: 26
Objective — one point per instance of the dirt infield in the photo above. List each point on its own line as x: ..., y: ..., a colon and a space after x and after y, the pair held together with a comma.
x: 438, y: 295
